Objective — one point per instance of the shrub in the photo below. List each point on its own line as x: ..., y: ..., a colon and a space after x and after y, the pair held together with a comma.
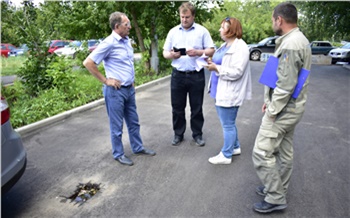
x: 33, y: 72
x: 60, y: 71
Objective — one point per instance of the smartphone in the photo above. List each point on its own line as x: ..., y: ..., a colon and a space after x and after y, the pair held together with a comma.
x: 181, y: 50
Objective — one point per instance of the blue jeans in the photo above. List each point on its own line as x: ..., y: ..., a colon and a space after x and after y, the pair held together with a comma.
x: 227, y: 116
x: 121, y: 105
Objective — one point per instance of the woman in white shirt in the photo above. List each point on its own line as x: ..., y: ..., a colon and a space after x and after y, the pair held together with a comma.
x: 230, y: 84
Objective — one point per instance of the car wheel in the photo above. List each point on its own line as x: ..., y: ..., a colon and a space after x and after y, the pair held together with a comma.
x: 255, y: 55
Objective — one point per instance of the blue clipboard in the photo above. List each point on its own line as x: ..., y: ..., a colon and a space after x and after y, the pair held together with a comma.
x: 269, y: 76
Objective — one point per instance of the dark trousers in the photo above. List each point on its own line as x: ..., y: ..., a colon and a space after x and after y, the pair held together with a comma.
x: 193, y: 84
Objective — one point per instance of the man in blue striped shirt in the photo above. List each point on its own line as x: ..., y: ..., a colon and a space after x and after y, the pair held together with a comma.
x: 117, y: 55
x: 194, y: 40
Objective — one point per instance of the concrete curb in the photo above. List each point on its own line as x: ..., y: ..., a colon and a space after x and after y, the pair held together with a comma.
x: 45, y: 122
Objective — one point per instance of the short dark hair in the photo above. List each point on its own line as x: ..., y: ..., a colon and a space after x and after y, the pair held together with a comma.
x: 185, y: 6
x: 287, y: 11
x: 115, y: 18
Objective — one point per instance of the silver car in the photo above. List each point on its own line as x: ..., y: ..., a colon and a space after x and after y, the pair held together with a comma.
x: 13, y: 155
x: 341, y: 54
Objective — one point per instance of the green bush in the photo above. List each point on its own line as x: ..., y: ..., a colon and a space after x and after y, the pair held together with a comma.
x: 60, y: 71
x: 50, y: 85
x: 26, y: 109
x: 69, y: 89
x: 33, y: 72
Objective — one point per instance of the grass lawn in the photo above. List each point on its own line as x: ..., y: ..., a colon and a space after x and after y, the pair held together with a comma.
x: 10, y: 65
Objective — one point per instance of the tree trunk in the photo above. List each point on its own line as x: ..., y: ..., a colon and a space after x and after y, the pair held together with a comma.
x: 154, y: 47
x: 139, y: 36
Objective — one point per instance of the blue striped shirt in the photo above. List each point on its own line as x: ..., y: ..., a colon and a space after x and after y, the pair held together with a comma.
x: 117, y: 55
x: 197, y: 37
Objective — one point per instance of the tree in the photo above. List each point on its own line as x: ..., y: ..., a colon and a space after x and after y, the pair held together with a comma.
x: 325, y: 20
x: 151, y: 25
x: 34, y: 69
x: 255, y: 17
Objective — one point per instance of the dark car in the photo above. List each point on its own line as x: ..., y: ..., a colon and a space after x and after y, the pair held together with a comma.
x: 13, y: 154
x: 6, y: 48
x: 321, y: 47
x: 266, y: 45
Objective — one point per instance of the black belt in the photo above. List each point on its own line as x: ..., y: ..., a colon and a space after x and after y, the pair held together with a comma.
x: 186, y: 71
x: 129, y: 86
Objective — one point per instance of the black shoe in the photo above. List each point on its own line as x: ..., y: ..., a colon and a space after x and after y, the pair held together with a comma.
x: 199, y: 141
x: 124, y: 160
x: 260, y: 190
x: 177, y: 140
x: 146, y: 152
x: 265, y: 207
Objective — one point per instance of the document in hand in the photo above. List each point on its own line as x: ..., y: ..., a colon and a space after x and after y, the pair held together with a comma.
x: 201, y: 61
x: 269, y: 76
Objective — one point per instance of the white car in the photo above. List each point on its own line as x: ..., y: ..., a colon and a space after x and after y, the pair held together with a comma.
x: 70, y: 49
x: 341, y: 54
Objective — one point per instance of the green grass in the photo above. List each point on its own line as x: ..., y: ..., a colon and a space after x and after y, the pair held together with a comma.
x: 10, y: 65
x: 26, y: 109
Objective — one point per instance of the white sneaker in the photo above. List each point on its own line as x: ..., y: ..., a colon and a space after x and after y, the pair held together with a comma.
x: 236, y: 151
x: 220, y: 159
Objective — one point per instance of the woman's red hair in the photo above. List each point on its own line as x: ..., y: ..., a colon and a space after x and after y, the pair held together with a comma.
x: 235, y: 28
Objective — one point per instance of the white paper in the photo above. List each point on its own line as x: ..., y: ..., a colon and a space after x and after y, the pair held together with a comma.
x: 201, y: 61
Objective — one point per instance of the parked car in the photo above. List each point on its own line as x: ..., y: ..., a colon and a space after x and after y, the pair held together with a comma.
x: 22, y: 50
x: 70, y: 49
x: 75, y: 46
x: 93, y: 43
x: 321, y: 47
x: 13, y: 154
x: 266, y: 45
x: 341, y: 54
x: 6, y: 48
x: 56, y: 44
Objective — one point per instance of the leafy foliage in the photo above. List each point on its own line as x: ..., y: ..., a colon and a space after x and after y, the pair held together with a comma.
x: 60, y: 70
x: 255, y: 20
x: 70, y: 89
x: 34, y: 73
x: 325, y: 20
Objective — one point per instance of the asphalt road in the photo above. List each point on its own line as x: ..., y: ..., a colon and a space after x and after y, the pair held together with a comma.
x: 179, y: 181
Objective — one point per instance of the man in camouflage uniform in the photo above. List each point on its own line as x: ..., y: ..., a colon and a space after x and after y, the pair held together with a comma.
x: 273, y: 149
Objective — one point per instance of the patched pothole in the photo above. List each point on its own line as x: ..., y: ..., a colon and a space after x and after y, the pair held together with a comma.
x: 82, y: 193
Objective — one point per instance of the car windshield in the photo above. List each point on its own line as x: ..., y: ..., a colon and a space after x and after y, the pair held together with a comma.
x: 264, y: 41
x: 24, y: 47
x: 92, y: 42
x: 347, y: 45
x: 74, y: 44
